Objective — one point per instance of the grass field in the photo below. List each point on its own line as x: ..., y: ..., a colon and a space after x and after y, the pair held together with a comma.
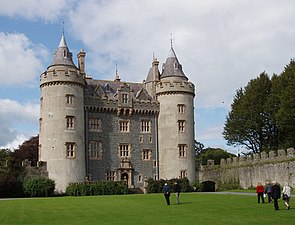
x: 195, y: 208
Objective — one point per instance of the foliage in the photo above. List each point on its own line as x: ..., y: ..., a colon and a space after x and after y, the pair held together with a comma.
x: 28, y: 150
x: 213, y: 153
x: 97, y: 188
x: 262, y: 115
x: 198, y: 147
x: 38, y: 186
x: 156, y: 186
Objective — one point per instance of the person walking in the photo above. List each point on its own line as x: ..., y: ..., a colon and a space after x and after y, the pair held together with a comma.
x: 166, y: 191
x: 268, y: 191
x: 177, y: 190
x: 287, y: 195
x: 275, y: 194
x: 260, y: 192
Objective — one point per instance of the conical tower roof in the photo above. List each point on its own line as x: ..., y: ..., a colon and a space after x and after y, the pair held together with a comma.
x: 172, y: 67
x: 62, y: 56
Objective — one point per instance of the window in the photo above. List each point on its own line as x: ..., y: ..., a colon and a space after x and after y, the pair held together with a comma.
x: 70, y: 99
x: 70, y: 150
x: 181, y: 125
x: 155, y: 163
x: 146, y: 154
x: 182, y: 151
x: 140, y: 139
x: 94, y: 124
x: 124, y: 125
x: 111, y: 175
x: 95, y: 150
x: 183, y: 174
x: 155, y: 177
x: 140, y: 178
x: 70, y: 122
x: 150, y: 139
x: 181, y: 108
x: 41, y: 102
x: 145, y: 126
x: 125, y: 98
x: 124, y: 150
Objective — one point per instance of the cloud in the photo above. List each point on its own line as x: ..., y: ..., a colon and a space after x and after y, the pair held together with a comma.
x: 221, y: 44
x: 34, y: 9
x: 18, y: 122
x: 20, y: 59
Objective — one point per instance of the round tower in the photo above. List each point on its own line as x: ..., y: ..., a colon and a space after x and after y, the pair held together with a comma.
x: 61, y: 140
x: 175, y: 122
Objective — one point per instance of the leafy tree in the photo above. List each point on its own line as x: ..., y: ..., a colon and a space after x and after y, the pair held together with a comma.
x: 198, y: 147
x: 213, y: 153
x: 28, y: 150
x: 284, y: 97
x: 250, y: 121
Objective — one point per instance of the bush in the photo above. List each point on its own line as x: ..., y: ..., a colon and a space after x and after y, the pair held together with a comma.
x: 97, y: 188
x: 156, y: 186
x: 38, y: 186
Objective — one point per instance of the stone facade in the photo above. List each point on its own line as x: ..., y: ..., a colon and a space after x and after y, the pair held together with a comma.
x: 115, y: 130
x: 248, y: 171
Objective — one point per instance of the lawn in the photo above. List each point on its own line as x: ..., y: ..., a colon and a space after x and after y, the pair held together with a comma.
x: 195, y: 208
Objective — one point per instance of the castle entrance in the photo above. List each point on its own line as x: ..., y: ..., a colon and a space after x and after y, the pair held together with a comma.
x: 124, y: 177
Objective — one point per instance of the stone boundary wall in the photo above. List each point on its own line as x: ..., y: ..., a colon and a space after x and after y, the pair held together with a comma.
x: 248, y: 171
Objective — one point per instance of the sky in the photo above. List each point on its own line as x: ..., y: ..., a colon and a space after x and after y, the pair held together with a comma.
x: 221, y: 45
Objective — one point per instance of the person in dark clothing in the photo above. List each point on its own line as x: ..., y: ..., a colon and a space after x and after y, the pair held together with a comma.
x: 177, y: 190
x: 276, y: 194
x: 166, y: 191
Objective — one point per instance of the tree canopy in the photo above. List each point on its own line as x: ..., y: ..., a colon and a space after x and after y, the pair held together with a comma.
x: 262, y: 116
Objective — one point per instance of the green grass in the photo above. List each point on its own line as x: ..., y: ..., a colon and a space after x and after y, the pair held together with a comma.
x: 195, y: 208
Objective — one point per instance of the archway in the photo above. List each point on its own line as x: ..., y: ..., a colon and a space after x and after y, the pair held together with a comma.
x: 208, y: 186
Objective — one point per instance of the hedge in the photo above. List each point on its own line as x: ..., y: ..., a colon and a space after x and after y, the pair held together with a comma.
x: 38, y: 187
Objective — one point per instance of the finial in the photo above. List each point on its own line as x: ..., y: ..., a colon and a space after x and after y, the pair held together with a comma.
x: 63, y: 27
x: 117, y: 76
x: 171, y: 40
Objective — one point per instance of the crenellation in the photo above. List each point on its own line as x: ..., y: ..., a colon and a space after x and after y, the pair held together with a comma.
x: 281, y: 153
x: 256, y: 157
x: 290, y: 152
x: 263, y: 156
x: 271, y: 155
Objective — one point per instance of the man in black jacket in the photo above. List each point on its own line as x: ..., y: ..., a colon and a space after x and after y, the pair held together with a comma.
x: 276, y: 194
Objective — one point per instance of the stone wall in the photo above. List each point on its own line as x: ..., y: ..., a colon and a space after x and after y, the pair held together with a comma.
x: 248, y: 171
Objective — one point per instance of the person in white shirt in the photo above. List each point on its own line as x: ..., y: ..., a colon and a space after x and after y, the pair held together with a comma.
x: 287, y: 192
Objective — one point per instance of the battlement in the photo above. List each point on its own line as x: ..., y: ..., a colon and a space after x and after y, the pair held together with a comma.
x: 263, y: 157
x: 164, y: 87
x: 58, y: 74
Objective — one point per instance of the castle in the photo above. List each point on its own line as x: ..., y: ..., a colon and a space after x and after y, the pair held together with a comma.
x: 114, y: 130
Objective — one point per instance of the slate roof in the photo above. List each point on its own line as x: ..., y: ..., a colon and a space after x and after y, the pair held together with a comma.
x: 172, y: 67
x: 62, y: 56
x: 109, y: 89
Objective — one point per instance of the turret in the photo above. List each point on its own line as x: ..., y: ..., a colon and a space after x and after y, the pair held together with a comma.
x: 152, y: 78
x: 176, y: 121
x: 61, y: 139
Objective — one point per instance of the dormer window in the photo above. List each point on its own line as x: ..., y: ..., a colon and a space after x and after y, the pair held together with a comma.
x: 65, y: 54
x: 125, y: 98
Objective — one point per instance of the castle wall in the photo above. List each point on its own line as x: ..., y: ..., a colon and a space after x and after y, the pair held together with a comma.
x: 248, y: 171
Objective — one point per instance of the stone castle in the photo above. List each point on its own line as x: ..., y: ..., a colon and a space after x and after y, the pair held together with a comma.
x: 115, y: 130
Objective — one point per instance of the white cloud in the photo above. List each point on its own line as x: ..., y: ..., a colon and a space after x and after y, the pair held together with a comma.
x: 18, y: 122
x: 20, y: 59
x: 34, y: 9
x: 221, y: 44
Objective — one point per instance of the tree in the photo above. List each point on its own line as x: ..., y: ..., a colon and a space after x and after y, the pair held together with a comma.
x: 213, y: 153
x: 249, y: 123
x: 284, y: 97
x: 28, y: 150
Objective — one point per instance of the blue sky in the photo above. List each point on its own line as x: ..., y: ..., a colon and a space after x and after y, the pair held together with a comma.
x: 220, y: 44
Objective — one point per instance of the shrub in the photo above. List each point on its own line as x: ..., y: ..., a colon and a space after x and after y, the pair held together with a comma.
x: 156, y: 186
x: 38, y: 186
x: 97, y: 188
